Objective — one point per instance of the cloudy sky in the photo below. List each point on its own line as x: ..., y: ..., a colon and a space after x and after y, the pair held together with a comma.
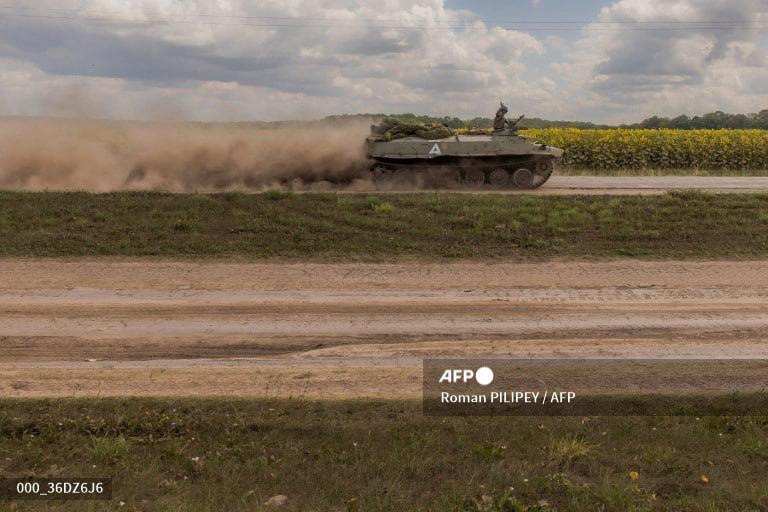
x: 598, y: 60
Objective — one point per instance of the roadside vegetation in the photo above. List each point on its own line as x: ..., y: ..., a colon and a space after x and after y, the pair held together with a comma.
x: 374, y: 456
x: 725, y: 151
x: 384, y: 227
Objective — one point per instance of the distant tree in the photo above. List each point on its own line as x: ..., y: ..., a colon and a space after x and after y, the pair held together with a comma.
x: 653, y: 122
x: 480, y: 122
x: 679, y: 122
x: 761, y: 119
x: 713, y: 120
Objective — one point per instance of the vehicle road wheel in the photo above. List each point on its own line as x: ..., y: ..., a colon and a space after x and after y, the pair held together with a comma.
x: 523, y: 178
x: 499, y: 178
x: 474, y: 178
x: 544, y: 170
x: 382, y: 175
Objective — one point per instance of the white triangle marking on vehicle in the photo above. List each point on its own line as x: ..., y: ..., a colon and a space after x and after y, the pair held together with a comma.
x: 435, y: 150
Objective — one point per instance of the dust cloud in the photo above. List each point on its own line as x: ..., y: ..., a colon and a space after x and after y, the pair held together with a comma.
x: 102, y: 156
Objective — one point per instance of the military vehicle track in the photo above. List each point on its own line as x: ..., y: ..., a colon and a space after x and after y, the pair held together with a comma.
x: 482, y: 173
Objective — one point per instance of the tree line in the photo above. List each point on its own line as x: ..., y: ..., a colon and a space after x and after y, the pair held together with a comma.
x: 712, y: 120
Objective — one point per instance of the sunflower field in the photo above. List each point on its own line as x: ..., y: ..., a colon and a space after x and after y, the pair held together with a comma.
x: 603, y: 149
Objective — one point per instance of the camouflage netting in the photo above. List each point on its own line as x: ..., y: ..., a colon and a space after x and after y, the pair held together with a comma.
x: 392, y: 128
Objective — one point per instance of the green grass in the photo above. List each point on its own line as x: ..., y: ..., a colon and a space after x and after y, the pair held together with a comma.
x: 212, y: 455
x: 109, y: 449
x: 433, y: 226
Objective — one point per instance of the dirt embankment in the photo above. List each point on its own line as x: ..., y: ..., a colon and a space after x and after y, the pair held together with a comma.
x: 136, y: 327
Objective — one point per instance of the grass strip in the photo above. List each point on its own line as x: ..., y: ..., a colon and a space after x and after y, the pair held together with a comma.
x: 432, y: 226
x: 380, y: 456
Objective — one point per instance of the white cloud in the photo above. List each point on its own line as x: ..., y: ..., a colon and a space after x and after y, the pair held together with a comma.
x: 276, y: 59
x: 645, y: 57
x: 320, y: 56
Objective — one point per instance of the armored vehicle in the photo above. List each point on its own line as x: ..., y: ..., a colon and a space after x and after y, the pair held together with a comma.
x: 498, y: 160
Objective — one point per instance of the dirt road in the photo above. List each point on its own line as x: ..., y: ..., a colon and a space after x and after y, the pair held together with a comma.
x: 129, y: 327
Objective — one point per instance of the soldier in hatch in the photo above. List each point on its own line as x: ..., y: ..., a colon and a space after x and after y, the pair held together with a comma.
x: 500, y: 123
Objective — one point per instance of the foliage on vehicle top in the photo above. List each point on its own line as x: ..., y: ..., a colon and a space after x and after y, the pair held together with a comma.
x: 392, y: 128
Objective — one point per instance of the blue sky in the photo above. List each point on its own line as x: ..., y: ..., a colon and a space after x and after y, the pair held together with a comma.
x: 543, y: 10
x: 300, y: 59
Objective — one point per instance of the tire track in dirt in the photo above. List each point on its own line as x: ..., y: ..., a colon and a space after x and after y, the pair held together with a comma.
x: 157, y: 327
